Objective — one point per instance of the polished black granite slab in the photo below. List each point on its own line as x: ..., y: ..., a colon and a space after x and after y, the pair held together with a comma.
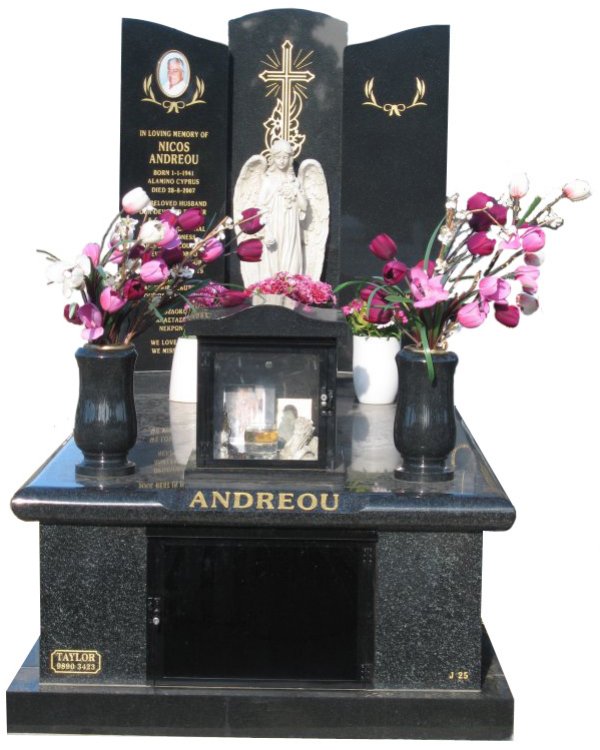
x: 370, y: 496
x: 485, y: 714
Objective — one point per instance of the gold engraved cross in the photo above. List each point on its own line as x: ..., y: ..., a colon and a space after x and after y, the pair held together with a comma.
x: 287, y: 78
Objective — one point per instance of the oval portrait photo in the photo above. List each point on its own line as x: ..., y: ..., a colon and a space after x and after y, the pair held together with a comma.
x: 173, y: 73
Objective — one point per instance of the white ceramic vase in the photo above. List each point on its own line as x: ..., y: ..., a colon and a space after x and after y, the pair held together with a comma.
x: 184, y: 371
x: 374, y: 369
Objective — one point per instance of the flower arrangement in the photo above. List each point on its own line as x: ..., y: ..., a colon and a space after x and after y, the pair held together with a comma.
x: 298, y: 287
x: 488, y: 254
x: 143, y: 267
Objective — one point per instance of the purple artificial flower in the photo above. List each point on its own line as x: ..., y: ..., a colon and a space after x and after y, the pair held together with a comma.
x: 91, y: 318
x: 394, y: 271
x: 506, y: 314
x: 250, y: 251
x: 250, y: 222
x: 480, y: 244
x: 134, y: 289
x: 191, y: 220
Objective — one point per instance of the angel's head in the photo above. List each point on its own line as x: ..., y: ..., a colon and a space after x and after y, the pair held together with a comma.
x: 281, y: 155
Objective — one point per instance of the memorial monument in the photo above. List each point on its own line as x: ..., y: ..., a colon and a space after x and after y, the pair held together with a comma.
x: 339, y: 603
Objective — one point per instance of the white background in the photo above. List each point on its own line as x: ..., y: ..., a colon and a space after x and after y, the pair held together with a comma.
x: 523, y: 96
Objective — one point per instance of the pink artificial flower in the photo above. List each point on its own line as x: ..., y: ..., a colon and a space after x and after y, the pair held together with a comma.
x: 71, y: 313
x: 231, y: 298
x: 494, y: 289
x: 207, y: 296
x: 92, y: 250
x: 134, y: 289
x: 117, y: 255
x: 169, y: 217
x: 352, y: 307
x: 426, y: 291
x: 383, y: 246
x: 378, y: 314
x: 577, y: 190
x: 212, y: 250
x: 486, y: 211
x: 480, y: 244
x: 91, y: 318
x: 170, y: 238
x: 473, y: 314
x: 154, y: 271
x: 135, y: 201
x: 518, y: 187
x: 251, y: 222
x: 527, y: 303
x: 110, y: 300
x: 506, y: 314
x: 394, y: 271
x: 430, y: 267
x: 191, y: 220
x: 250, y: 251
x: 528, y: 276
x: 533, y: 239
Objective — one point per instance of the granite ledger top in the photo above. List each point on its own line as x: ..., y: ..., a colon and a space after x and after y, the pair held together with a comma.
x: 362, y: 494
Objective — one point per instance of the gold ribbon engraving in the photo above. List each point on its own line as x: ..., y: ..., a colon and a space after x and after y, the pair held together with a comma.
x: 286, y: 78
x: 391, y: 109
x: 174, y: 106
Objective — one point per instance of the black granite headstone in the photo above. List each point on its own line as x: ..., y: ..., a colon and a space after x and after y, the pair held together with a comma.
x: 292, y: 57
x: 395, y: 130
x: 174, y: 138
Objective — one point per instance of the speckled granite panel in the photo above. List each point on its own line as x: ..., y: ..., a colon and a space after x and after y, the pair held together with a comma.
x: 93, y: 598
x: 428, y: 611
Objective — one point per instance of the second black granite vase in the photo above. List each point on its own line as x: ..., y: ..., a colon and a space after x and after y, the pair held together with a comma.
x: 425, y: 425
x: 105, y: 421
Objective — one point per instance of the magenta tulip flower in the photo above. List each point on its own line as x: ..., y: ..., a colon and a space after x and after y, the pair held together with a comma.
x: 92, y: 250
x: 110, y: 300
x: 533, y: 239
x: 506, y: 314
x: 528, y: 276
x: 91, y: 318
x: 394, y: 271
x: 191, y: 220
x: 426, y: 291
x: 383, y: 246
x: 250, y: 251
x: 212, y: 250
x: 366, y: 292
x: 169, y: 218
x: 71, y: 313
x: 494, y: 289
x: 154, y: 271
x: 379, y: 315
x: 473, y: 314
x: 172, y: 256
x: 480, y: 244
x: 134, y: 289
x: 251, y: 222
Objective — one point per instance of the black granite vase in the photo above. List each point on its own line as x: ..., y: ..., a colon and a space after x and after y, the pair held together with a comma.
x: 425, y: 427
x: 105, y: 421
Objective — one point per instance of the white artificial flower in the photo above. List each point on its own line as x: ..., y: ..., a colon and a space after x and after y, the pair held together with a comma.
x: 136, y: 200
x: 151, y: 232
x: 70, y: 275
x: 577, y: 190
x: 518, y: 187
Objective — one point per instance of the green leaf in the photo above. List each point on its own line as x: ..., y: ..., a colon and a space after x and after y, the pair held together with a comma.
x: 431, y: 242
x: 426, y: 352
x: 533, y: 205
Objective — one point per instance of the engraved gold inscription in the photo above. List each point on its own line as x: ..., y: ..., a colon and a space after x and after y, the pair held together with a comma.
x: 276, y: 501
x: 173, y: 106
x: 75, y: 662
x: 394, y: 109
x: 459, y: 676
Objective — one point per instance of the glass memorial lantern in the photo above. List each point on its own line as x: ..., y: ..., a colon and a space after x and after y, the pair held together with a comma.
x: 266, y: 385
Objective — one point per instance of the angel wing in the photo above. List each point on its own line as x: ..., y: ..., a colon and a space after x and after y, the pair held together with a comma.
x: 245, y: 195
x: 315, y: 225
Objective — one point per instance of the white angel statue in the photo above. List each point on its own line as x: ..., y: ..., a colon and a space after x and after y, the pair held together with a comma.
x: 294, y: 211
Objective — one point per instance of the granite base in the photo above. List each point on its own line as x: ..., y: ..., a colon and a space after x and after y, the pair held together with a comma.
x: 485, y: 714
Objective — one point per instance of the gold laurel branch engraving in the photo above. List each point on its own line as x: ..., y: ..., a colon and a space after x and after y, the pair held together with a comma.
x: 391, y: 109
x: 148, y: 91
x: 167, y: 104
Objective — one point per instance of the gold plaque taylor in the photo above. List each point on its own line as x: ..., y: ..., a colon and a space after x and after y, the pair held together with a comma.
x: 68, y: 661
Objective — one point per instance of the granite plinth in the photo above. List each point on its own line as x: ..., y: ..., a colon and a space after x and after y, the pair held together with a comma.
x: 424, y: 669
x: 485, y: 714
